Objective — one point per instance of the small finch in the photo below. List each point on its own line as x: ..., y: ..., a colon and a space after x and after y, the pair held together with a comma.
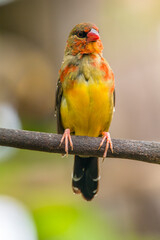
x: 85, y: 100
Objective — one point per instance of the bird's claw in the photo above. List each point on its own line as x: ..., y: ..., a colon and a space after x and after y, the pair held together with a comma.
x: 106, y: 136
x: 66, y: 136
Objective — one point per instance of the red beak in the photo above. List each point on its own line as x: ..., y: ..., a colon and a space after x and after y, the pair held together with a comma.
x: 93, y: 35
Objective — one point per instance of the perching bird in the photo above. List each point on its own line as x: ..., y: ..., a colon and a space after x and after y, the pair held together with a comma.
x: 85, y: 101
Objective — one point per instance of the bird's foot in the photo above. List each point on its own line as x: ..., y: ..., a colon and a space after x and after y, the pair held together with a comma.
x: 107, y: 137
x: 66, y: 136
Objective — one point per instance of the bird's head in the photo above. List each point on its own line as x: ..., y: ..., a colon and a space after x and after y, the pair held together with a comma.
x: 84, y: 39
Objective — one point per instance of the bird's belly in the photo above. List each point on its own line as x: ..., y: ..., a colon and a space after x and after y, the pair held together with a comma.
x: 87, y: 109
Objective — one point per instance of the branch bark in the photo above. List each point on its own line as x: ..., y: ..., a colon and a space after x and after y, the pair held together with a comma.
x: 87, y: 146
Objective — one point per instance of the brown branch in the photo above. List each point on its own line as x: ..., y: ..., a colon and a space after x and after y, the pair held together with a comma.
x: 86, y: 146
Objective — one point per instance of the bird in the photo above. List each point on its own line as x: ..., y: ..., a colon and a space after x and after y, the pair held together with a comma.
x: 85, y: 101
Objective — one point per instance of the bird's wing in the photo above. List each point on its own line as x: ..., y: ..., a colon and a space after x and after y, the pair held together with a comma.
x: 114, y: 98
x: 59, y: 93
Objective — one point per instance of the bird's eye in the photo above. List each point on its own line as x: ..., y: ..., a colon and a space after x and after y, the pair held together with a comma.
x: 82, y: 34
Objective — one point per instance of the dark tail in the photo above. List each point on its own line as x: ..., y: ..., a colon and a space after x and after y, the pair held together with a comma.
x: 85, y: 176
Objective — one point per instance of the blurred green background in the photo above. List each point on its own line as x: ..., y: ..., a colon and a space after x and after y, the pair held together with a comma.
x: 33, y: 34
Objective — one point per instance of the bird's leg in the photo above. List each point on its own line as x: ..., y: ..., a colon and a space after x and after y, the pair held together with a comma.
x: 106, y: 136
x: 66, y: 136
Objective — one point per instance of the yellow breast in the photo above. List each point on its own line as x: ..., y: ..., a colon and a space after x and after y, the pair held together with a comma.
x: 87, y: 108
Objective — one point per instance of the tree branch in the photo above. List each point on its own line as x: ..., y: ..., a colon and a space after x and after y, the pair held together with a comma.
x: 87, y: 146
